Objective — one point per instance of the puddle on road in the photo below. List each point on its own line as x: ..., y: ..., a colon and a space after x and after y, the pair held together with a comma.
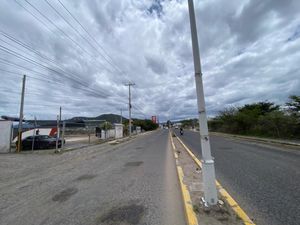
x: 125, y: 215
x: 137, y: 163
x: 64, y: 195
x: 86, y: 177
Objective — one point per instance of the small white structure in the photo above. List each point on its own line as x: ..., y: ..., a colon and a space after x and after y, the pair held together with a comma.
x: 105, y: 134
x: 138, y: 130
x: 5, y: 135
x: 118, y: 130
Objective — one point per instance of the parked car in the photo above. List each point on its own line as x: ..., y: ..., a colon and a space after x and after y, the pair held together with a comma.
x: 40, y: 142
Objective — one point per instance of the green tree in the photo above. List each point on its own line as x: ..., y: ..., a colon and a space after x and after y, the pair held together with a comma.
x: 260, y: 119
x: 294, y: 104
x: 260, y: 108
x: 146, y: 125
x: 190, y: 123
x: 106, y: 126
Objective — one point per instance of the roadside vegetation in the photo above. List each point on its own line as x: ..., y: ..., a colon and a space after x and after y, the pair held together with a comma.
x: 146, y: 125
x: 264, y: 119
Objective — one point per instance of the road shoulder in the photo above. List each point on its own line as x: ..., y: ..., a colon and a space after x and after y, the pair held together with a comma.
x: 264, y: 141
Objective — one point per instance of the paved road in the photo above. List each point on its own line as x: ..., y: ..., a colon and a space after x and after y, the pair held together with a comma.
x: 129, y: 183
x: 265, y: 180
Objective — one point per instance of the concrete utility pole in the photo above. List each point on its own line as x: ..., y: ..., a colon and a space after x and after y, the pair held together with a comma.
x: 21, y: 116
x: 208, y: 168
x: 129, y: 106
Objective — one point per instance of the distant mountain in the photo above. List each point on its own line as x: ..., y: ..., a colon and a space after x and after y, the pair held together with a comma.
x: 112, y: 118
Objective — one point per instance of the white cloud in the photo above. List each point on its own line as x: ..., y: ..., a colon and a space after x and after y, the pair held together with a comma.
x: 249, y: 49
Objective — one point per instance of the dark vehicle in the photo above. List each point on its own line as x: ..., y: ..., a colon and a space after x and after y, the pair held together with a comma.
x: 181, y: 131
x: 40, y: 142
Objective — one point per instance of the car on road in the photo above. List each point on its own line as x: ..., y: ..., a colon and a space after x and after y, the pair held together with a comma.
x: 40, y: 142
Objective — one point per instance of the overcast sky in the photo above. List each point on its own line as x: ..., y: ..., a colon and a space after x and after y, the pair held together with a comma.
x: 81, y: 58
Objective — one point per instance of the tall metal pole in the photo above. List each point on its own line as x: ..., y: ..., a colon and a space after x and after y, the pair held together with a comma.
x: 208, y: 168
x: 21, y: 116
x: 129, y: 105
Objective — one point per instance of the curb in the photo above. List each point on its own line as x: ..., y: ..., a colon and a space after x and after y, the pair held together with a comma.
x: 190, y: 215
x: 232, y: 203
x: 265, y: 140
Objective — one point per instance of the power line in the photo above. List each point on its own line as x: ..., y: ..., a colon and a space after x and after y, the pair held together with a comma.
x: 15, y: 40
x: 45, y: 25
x: 51, y: 82
x: 60, y: 68
x: 3, y: 48
x: 29, y: 60
x: 139, y: 111
x: 65, y: 34
x: 99, y: 45
x: 44, y: 80
x: 53, y: 24
x: 58, y: 13
x: 36, y: 52
x: 45, y: 17
x: 48, y: 26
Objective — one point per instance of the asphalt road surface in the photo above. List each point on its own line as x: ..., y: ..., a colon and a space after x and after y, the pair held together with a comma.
x: 265, y: 180
x: 129, y: 183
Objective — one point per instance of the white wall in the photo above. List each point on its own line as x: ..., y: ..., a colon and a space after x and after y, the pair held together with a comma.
x: 5, y: 135
x: 119, y: 130
x: 138, y: 130
x: 107, y: 134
